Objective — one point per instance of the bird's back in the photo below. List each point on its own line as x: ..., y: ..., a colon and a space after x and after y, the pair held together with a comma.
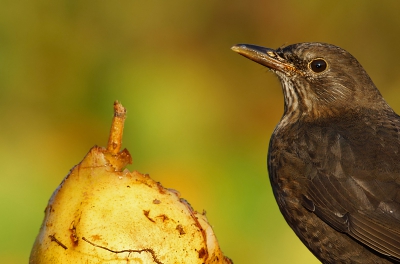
x: 341, y: 174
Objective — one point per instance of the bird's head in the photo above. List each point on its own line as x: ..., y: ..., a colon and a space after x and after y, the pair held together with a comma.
x: 318, y: 79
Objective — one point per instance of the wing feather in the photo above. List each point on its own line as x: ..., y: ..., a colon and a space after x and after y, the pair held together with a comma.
x: 356, y: 197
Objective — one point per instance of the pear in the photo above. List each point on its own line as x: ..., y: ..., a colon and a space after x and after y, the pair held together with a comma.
x: 103, y: 213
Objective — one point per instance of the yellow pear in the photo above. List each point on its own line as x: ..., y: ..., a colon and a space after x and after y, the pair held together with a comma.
x: 103, y: 213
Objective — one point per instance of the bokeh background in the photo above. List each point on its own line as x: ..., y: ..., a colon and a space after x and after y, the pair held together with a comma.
x: 199, y: 115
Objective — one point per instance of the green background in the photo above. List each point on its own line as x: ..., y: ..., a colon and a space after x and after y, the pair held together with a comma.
x: 199, y: 115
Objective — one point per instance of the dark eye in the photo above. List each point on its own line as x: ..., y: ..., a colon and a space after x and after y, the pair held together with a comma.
x: 318, y: 65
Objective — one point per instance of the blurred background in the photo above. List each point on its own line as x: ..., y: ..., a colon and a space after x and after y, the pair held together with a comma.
x: 199, y: 115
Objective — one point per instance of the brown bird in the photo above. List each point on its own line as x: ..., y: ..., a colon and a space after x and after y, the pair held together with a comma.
x: 334, y: 157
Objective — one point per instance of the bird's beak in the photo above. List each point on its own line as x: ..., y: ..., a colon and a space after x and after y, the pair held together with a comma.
x: 264, y: 56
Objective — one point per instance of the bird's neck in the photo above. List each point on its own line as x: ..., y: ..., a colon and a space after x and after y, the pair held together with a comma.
x: 293, y: 120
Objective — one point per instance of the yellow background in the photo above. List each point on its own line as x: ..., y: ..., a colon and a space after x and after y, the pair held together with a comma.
x: 199, y: 115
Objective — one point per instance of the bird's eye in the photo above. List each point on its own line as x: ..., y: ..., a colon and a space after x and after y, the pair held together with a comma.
x: 318, y: 65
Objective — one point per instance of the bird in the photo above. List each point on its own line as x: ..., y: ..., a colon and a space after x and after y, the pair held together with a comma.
x: 334, y: 156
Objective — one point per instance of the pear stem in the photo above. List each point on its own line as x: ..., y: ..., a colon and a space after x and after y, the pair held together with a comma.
x: 117, y: 129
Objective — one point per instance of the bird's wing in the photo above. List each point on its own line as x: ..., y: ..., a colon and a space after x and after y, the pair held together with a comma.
x: 354, y: 186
